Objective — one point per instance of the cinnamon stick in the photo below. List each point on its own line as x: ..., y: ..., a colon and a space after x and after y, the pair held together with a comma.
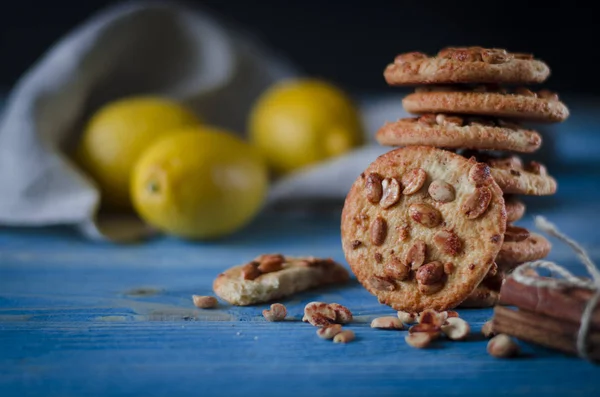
x: 565, y: 304
x: 543, y: 330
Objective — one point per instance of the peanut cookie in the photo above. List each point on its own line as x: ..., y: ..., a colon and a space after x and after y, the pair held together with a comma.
x: 275, y: 276
x: 465, y: 65
x: 514, y: 177
x: 447, y: 131
x: 421, y: 227
x: 513, y: 253
x: 515, y: 209
x: 520, y: 103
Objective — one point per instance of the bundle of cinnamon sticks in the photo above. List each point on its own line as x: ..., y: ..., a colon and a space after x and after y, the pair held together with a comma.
x: 550, y: 317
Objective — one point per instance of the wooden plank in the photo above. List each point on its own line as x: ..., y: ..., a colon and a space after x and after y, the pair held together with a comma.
x: 79, y: 318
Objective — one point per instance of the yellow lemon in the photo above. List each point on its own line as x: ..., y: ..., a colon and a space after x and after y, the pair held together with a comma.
x: 118, y: 133
x: 199, y: 183
x: 299, y: 122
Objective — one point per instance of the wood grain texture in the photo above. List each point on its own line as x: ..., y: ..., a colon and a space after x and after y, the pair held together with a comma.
x: 78, y: 318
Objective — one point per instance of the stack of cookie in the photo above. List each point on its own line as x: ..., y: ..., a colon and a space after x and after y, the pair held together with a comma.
x: 431, y: 224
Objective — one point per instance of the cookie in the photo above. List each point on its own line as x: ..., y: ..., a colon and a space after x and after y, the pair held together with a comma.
x: 275, y: 276
x: 481, y: 298
x: 487, y: 293
x: 421, y: 227
x: 446, y: 131
x: 465, y: 65
x: 515, y: 209
x: 529, y: 179
x: 520, y: 103
x: 514, y: 177
x: 513, y: 253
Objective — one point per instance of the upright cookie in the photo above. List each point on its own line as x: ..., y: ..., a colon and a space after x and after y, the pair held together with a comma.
x: 454, y: 132
x: 520, y: 103
x: 466, y: 65
x: 421, y: 227
x: 274, y: 276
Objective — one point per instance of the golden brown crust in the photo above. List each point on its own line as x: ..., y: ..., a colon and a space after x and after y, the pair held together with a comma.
x: 515, y: 209
x: 465, y: 65
x: 432, y: 130
x: 510, y: 105
x: 515, y: 177
x: 523, y: 180
x: 295, y: 275
x: 377, y: 237
x: 513, y: 253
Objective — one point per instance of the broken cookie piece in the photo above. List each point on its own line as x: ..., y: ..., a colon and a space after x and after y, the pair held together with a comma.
x: 290, y: 276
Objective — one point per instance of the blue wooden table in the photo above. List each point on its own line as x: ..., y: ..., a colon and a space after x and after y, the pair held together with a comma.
x: 95, y: 319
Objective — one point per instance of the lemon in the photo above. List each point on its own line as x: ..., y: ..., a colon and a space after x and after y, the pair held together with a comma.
x: 118, y: 133
x: 299, y: 122
x: 199, y: 183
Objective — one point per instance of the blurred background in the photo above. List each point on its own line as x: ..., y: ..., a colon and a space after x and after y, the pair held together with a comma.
x: 345, y: 45
x: 350, y: 42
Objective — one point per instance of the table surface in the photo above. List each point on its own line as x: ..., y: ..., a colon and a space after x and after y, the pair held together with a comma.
x: 81, y: 318
x: 96, y: 319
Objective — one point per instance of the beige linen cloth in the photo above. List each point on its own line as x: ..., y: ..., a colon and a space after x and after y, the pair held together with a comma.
x: 140, y: 48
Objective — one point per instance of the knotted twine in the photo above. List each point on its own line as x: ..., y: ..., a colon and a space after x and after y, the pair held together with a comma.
x: 569, y: 280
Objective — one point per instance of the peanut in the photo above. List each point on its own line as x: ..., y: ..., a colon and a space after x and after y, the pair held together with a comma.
x: 430, y: 273
x: 381, y: 283
x: 448, y: 121
x: 250, y: 271
x: 373, y: 187
x: 415, y: 256
x: 495, y: 56
x: 344, y: 337
x: 477, y: 203
x: 441, y: 191
x: 515, y: 233
x: 456, y: 328
x: 387, y: 322
x: 488, y: 329
x: 204, y: 302
x: 329, y: 331
x: 276, y: 313
x: 413, y: 181
x: 418, y: 340
x: 502, y: 346
x: 407, y: 318
x: 391, y: 192
x: 378, y: 231
x: 343, y: 315
x: 395, y: 269
x: 447, y: 242
x: 319, y: 314
x: 479, y: 174
x: 270, y: 263
x: 425, y: 214
x: 525, y: 92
